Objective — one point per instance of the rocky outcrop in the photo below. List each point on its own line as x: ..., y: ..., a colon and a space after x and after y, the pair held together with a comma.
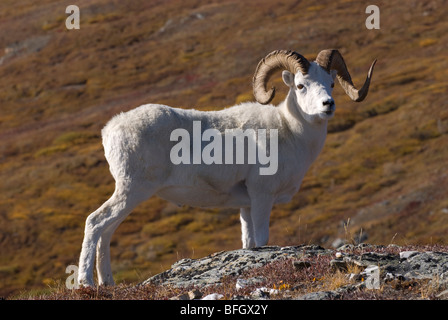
x: 210, y: 270
x: 376, y: 266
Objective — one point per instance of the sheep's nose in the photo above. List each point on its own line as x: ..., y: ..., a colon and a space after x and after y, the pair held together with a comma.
x: 329, y: 103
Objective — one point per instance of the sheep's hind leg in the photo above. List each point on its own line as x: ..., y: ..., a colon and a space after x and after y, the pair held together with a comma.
x: 103, y: 266
x: 104, y: 222
x: 247, y: 229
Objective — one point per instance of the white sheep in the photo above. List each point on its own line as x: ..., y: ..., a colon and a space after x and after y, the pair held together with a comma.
x: 139, y: 147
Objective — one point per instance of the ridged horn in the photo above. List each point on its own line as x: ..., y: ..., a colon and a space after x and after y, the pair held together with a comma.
x: 276, y: 60
x: 331, y: 59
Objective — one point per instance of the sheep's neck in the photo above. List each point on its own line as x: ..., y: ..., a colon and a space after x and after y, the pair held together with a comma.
x: 308, y: 135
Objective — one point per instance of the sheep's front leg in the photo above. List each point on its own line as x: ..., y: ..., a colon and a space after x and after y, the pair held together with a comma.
x: 247, y: 229
x: 260, y: 212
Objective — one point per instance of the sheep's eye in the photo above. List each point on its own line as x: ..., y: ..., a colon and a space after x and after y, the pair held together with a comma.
x: 300, y: 86
x: 332, y: 85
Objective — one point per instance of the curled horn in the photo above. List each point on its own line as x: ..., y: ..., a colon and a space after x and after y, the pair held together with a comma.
x: 331, y: 59
x: 276, y: 60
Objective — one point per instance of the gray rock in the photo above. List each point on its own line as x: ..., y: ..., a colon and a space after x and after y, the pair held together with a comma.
x: 243, y: 283
x: 372, y: 258
x: 320, y: 295
x: 260, y: 294
x: 183, y: 296
x: 209, y: 270
x: 346, y: 247
x: 407, y: 254
x: 213, y: 296
x: 394, y: 276
x: 425, y: 265
x: 194, y: 294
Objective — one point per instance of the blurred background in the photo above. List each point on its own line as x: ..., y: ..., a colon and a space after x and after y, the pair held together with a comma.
x: 382, y: 177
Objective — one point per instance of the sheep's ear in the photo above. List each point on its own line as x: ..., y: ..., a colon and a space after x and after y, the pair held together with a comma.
x: 333, y: 73
x: 288, y: 78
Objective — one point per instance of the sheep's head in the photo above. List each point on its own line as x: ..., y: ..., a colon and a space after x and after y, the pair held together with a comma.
x: 310, y: 83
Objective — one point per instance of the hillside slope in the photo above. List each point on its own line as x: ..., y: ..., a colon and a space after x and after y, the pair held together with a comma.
x: 383, y: 168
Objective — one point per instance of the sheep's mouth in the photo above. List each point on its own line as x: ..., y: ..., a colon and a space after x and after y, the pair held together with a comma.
x: 329, y: 111
x: 327, y: 114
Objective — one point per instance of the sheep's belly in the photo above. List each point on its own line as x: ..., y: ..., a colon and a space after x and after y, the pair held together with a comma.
x: 205, y: 197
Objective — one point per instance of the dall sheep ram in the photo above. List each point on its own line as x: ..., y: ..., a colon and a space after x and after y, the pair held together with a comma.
x: 146, y: 158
